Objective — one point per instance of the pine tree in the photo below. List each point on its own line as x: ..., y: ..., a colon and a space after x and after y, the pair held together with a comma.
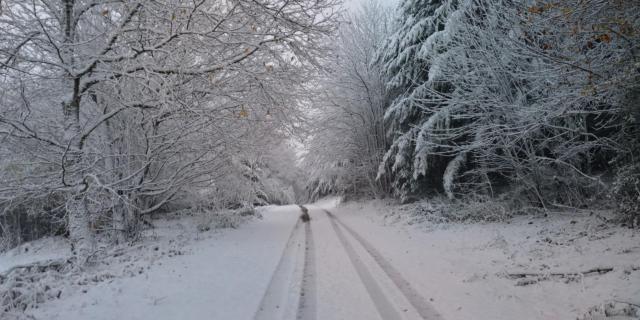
x: 406, y: 62
x: 483, y: 99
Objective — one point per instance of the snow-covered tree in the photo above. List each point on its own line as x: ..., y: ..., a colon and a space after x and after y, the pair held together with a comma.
x: 120, y: 106
x: 347, y: 138
x: 534, y: 92
x: 406, y: 58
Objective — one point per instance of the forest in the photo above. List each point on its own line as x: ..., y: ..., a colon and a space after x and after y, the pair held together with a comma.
x: 115, y: 112
x: 529, y: 103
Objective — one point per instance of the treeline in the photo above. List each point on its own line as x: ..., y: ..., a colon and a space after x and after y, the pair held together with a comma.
x: 537, y: 100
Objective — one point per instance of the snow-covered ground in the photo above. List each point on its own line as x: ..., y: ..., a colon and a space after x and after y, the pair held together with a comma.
x: 38, y: 250
x: 354, y: 261
x: 472, y: 271
x: 221, y: 274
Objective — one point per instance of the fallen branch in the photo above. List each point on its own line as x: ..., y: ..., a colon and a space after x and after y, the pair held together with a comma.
x: 627, y: 302
x: 520, y: 275
x: 528, y: 278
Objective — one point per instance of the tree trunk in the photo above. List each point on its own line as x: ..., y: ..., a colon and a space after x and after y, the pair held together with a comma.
x: 80, y: 232
x: 119, y: 232
x: 120, y: 224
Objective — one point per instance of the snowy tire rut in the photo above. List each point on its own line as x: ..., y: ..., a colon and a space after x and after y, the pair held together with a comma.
x: 290, y: 294
x: 398, y: 300
x: 334, y: 273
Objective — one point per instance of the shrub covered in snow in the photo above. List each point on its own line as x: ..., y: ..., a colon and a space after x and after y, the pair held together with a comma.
x: 25, y: 286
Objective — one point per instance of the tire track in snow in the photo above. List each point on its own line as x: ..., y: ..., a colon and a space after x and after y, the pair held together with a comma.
x: 307, y: 305
x: 282, y: 297
x: 383, y: 305
x: 424, y: 308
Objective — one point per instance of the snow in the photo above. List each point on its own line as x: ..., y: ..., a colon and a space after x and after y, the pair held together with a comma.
x: 358, y: 260
x: 223, y: 276
x: 328, y: 203
x: 34, y: 251
x: 336, y: 300
x: 462, y: 267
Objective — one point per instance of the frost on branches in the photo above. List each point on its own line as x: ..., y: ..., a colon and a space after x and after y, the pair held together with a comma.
x: 406, y: 61
x: 542, y: 94
x: 347, y: 131
x: 114, y: 110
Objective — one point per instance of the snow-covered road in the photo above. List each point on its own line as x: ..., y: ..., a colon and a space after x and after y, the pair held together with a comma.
x: 221, y: 277
x: 354, y: 281
x: 346, y: 264
x: 275, y: 268
x: 338, y: 275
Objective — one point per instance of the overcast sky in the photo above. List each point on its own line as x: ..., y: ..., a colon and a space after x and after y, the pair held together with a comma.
x: 354, y: 4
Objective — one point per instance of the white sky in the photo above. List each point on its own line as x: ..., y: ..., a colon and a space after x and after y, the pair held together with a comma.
x: 354, y: 4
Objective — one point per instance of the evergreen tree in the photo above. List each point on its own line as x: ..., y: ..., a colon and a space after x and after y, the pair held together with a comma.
x: 406, y: 62
x: 489, y: 93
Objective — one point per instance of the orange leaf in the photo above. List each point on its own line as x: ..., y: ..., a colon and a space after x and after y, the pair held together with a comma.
x: 243, y: 113
x: 604, y: 38
x: 535, y: 9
